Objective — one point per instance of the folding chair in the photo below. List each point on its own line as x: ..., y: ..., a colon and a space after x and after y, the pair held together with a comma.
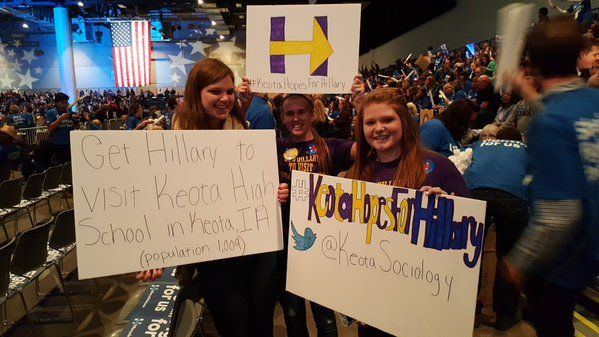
x: 32, y: 195
x: 60, y: 243
x: 28, y: 260
x: 66, y: 181
x: 51, y: 183
x: 5, y: 254
x: 10, y: 198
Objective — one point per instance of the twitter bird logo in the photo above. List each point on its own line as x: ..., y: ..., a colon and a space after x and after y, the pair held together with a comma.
x: 304, y: 242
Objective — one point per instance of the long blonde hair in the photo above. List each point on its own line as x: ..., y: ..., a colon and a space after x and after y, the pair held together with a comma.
x: 190, y: 113
x: 319, y: 111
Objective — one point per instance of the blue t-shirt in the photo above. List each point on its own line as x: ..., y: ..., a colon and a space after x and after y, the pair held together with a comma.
x: 131, y: 122
x: 60, y: 135
x: 21, y: 120
x: 259, y: 115
x: 564, y: 164
x: 499, y: 164
x: 459, y: 95
x: 10, y: 154
x: 436, y: 137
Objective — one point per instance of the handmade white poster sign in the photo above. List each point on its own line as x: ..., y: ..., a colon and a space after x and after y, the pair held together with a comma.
x: 390, y: 257
x: 151, y: 199
x: 302, y: 49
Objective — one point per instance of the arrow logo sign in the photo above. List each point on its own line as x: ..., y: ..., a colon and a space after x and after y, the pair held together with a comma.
x: 318, y: 48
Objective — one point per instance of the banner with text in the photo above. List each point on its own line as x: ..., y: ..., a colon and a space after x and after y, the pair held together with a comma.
x: 387, y: 256
x: 302, y: 49
x: 151, y: 199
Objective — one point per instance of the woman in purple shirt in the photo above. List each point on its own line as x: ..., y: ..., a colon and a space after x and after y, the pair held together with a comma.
x: 304, y: 150
x: 389, y: 152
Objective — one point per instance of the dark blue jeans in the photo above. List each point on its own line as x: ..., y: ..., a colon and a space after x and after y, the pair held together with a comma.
x: 510, y: 216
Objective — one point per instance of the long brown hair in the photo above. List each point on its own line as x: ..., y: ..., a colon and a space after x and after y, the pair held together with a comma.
x: 410, y: 171
x: 190, y: 113
x: 322, y: 149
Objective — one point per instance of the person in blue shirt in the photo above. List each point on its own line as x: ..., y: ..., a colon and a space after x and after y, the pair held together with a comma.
x: 10, y: 151
x: 135, y: 114
x: 495, y: 176
x: 259, y: 113
x: 171, y: 107
x: 60, y: 123
x: 444, y: 133
x: 422, y: 100
x: 558, y: 253
x: 19, y: 120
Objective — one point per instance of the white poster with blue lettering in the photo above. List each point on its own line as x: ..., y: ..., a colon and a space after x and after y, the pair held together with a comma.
x: 390, y: 257
x: 152, y: 199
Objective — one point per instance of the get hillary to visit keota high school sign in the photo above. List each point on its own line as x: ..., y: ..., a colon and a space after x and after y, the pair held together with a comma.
x: 391, y: 257
x: 302, y: 49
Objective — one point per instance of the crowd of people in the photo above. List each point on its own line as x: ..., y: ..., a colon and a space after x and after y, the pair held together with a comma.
x: 541, y: 133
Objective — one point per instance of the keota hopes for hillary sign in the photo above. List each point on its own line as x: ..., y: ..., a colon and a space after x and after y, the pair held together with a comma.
x: 302, y: 49
x: 386, y: 256
x: 152, y: 199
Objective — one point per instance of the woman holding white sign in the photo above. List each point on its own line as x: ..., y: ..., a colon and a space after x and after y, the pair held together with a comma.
x: 389, y: 152
x: 306, y: 151
x: 238, y: 291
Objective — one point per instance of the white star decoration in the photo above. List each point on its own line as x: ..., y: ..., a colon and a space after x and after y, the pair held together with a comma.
x: 28, y: 56
x: 17, y: 65
x: 225, y: 50
x: 37, y: 70
x: 17, y: 43
x: 27, y: 80
x: 178, y: 61
x: 11, y: 53
x: 175, y: 78
x: 197, y: 47
x: 6, y: 81
x: 2, y: 48
x: 210, y: 31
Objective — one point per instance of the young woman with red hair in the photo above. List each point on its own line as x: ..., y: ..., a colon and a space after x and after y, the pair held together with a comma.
x: 389, y: 152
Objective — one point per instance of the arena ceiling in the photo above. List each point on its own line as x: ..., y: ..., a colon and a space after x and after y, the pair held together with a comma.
x: 380, y: 22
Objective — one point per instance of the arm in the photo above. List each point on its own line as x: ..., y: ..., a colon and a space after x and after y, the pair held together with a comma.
x: 548, y: 231
x: 55, y: 124
x: 558, y: 188
x: 561, y: 10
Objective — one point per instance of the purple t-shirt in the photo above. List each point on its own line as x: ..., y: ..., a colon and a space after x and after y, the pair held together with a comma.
x: 303, y: 156
x: 440, y: 172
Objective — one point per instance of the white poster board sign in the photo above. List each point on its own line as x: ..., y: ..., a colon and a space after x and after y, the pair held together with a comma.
x: 302, y: 49
x: 390, y: 257
x: 150, y: 199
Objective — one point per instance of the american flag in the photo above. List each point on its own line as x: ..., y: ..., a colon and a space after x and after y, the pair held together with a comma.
x: 131, y: 53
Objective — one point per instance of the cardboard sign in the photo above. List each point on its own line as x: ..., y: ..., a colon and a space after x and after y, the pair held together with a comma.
x: 390, y: 257
x: 151, y: 199
x: 426, y: 115
x: 423, y: 62
x: 302, y: 49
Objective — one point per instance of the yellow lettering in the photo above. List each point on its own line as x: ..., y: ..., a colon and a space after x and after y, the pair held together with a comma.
x: 390, y: 215
x: 322, y: 191
x: 403, y: 216
x: 358, y: 203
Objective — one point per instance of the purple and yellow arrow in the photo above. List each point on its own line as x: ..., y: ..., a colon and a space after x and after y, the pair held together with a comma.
x: 318, y: 48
